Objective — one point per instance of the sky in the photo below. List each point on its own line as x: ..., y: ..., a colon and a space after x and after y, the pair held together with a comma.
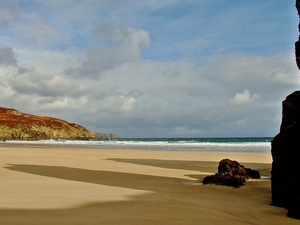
x: 151, y: 68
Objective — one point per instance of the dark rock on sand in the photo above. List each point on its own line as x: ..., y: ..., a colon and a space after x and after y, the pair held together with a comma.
x: 285, y: 180
x: 231, y: 173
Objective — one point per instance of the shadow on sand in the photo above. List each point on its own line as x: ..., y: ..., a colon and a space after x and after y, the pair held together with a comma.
x: 204, y: 166
x: 172, y: 201
x: 130, y: 180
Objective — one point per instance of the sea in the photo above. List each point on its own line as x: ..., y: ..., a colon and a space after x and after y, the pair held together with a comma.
x: 231, y: 144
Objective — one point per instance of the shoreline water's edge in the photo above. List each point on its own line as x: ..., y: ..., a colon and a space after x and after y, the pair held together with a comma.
x: 169, y: 144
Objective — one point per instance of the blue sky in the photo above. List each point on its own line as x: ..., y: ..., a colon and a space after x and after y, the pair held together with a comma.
x: 167, y: 68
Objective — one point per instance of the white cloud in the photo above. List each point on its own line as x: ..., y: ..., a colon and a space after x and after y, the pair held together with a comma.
x: 244, y: 98
x: 283, y: 76
x: 47, y: 60
x: 128, y: 46
x: 59, y: 104
x: 6, y: 92
x: 42, y: 84
x: 119, y: 104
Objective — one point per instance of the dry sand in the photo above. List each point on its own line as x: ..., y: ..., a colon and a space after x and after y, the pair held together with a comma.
x: 54, y: 185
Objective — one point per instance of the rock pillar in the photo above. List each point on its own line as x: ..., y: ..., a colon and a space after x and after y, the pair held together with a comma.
x: 285, y: 180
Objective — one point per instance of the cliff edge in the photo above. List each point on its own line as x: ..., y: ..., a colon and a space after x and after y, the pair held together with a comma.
x: 16, y: 125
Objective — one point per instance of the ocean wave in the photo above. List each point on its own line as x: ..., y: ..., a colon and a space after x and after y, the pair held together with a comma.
x: 226, y: 143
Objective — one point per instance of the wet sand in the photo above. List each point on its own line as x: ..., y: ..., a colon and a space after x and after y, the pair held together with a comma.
x: 77, y: 185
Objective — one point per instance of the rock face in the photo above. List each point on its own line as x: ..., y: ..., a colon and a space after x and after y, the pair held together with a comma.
x: 231, y: 173
x: 22, y: 126
x: 106, y: 136
x: 285, y: 180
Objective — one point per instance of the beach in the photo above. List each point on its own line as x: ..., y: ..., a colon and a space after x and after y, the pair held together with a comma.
x: 44, y: 184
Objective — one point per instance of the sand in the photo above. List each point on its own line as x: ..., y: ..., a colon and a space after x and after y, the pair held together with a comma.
x: 73, y: 185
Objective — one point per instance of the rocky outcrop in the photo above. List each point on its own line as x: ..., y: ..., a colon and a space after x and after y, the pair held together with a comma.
x: 106, y: 136
x: 231, y: 173
x: 285, y: 180
x: 22, y: 126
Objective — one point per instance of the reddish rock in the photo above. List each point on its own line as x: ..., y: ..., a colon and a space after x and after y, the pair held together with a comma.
x: 231, y: 173
x: 22, y: 126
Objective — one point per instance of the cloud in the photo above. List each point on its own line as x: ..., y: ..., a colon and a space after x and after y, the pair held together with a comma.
x: 35, y: 28
x: 244, y: 98
x: 28, y: 81
x: 127, y: 46
x: 156, y: 98
x: 7, y: 57
x: 259, y: 73
x: 28, y: 27
x: 119, y: 104
x: 63, y: 104
x: 117, y: 32
x: 170, y: 97
x: 8, y: 11
x: 148, y: 69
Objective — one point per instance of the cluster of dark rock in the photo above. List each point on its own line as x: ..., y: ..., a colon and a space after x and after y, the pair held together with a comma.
x: 231, y: 173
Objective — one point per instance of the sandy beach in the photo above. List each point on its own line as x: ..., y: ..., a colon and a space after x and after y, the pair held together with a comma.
x: 76, y: 185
